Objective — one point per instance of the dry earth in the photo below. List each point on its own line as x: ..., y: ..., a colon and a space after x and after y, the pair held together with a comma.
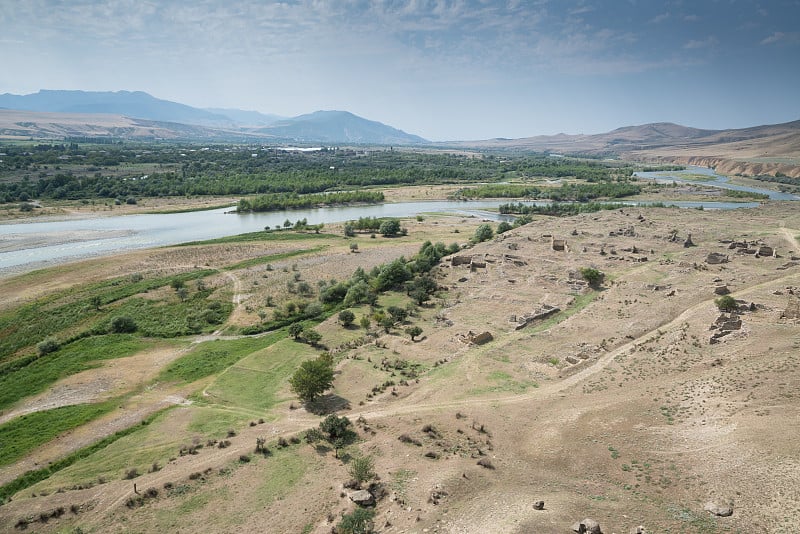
x: 650, y: 422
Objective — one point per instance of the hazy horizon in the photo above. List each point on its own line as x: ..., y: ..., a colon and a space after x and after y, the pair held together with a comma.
x: 444, y: 70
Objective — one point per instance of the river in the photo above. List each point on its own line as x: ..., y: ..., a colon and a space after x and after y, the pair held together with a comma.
x: 29, y: 245
x: 714, y: 180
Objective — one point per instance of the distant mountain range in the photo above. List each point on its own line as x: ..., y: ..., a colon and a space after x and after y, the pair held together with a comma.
x: 133, y: 107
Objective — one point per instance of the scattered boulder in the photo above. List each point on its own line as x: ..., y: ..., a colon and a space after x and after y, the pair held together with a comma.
x: 362, y: 498
x: 688, y: 243
x: 538, y: 505
x: 720, y: 510
x: 638, y: 530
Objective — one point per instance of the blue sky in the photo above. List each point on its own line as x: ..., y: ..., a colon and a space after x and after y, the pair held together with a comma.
x: 446, y: 69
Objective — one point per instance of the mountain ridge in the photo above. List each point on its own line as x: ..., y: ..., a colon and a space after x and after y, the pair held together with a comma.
x: 318, y: 127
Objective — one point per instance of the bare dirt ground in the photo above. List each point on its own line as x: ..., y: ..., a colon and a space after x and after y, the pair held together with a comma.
x: 620, y: 409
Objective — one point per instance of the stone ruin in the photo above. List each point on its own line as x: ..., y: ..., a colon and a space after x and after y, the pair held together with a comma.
x: 757, y: 248
x: 544, y: 311
x: 715, y: 258
x: 479, y: 339
x: 559, y: 245
x: 792, y: 310
x: 724, y: 325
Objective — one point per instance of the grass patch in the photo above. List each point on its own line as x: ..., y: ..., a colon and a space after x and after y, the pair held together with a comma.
x: 25, y: 433
x: 214, y: 422
x: 81, y: 355
x: 253, y: 382
x: 259, y: 237
x: 155, y: 439
x: 272, y: 257
x: 32, y: 477
x: 64, y: 312
x: 172, y: 317
x: 284, y: 470
x: 505, y: 383
x: 215, y: 356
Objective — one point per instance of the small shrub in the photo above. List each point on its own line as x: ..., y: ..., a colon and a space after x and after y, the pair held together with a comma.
x: 131, y: 473
x: 196, y: 475
x: 357, y: 522
x: 47, y: 346
x: 405, y: 438
x: 362, y: 468
x: 486, y: 463
x: 231, y: 433
x: 151, y: 493
x: 244, y: 458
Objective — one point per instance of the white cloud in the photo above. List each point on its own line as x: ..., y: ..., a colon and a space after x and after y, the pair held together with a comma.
x: 695, y: 44
x: 781, y: 38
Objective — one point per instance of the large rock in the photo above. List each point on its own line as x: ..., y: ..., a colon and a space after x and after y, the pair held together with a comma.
x: 721, y: 510
x: 362, y: 498
x: 587, y: 526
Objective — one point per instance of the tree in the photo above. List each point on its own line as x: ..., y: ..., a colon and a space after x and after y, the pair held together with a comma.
x: 295, y: 330
x: 337, y: 431
x: 349, y: 230
x: 726, y: 303
x: 413, y: 331
x: 346, y: 317
x: 353, y: 247
x: 312, y: 337
x: 312, y: 378
x: 95, y: 301
x: 47, y: 345
x: 123, y: 325
x: 483, y: 232
x: 592, y: 275
x: 365, y: 322
x: 389, y: 228
x: 182, y: 293
x: 503, y: 227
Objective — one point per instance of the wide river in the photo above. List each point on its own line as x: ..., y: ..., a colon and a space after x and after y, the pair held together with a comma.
x: 30, y: 245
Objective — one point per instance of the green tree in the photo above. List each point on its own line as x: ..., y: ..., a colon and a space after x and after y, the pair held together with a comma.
x: 592, y: 275
x: 312, y: 378
x: 365, y: 322
x: 123, y: 325
x: 503, y: 227
x: 389, y: 228
x: 312, y: 337
x: 726, y: 303
x: 413, y: 331
x: 296, y: 330
x: 353, y: 247
x: 338, y: 432
x: 483, y: 232
x: 346, y: 317
x: 95, y: 301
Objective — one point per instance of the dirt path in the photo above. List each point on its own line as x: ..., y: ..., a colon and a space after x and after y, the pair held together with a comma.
x: 789, y: 235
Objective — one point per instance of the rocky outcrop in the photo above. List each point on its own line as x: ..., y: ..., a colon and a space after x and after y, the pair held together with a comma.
x: 720, y: 510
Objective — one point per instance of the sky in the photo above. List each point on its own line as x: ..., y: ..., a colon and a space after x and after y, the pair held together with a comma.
x: 441, y: 69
